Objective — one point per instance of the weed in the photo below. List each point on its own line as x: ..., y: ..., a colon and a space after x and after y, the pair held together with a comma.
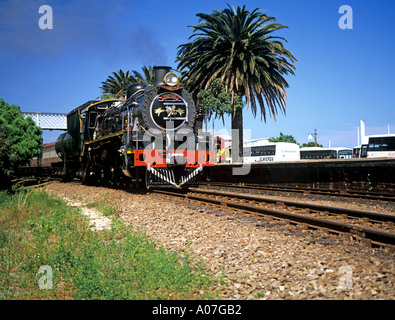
x: 369, y: 185
x: 260, y: 294
x: 222, y: 277
x: 105, y: 205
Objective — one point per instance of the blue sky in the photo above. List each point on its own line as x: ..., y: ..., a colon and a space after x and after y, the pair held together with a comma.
x: 342, y: 76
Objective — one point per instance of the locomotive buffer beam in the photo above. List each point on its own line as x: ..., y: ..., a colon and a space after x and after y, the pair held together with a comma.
x: 170, y: 178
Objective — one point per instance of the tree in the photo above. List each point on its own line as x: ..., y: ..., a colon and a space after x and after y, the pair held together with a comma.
x: 283, y: 138
x: 20, y: 140
x: 216, y: 101
x: 6, y: 171
x: 148, y: 77
x: 117, y: 84
x: 237, y: 47
x: 310, y: 144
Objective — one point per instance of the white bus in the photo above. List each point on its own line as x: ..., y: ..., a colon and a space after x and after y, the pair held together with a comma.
x: 325, y: 153
x: 262, y: 150
x: 381, y: 146
x: 360, y: 151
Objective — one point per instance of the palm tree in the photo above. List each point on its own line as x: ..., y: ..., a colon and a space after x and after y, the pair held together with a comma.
x: 148, y: 77
x: 116, y: 85
x: 237, y: 47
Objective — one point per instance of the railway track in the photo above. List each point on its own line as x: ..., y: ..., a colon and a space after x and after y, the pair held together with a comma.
x: 337, y: 193
x: 373, y: 229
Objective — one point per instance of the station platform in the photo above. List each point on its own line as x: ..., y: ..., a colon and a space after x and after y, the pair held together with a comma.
x: 375, y: 175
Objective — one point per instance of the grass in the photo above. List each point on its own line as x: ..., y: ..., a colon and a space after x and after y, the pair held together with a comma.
x: 105, y: 205
x: 40, y: 231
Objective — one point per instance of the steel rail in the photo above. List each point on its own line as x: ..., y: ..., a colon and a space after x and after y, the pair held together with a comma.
x: 333, y: 193
x: 316, y: 207
x: 374, y: 235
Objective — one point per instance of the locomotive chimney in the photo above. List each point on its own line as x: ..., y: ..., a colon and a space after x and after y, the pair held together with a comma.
x: 159, y: 74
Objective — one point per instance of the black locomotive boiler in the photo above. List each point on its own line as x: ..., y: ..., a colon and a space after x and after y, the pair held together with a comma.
x: 147, y: 139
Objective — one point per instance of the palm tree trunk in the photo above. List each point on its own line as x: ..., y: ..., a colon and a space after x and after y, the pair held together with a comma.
x: 237, y: 135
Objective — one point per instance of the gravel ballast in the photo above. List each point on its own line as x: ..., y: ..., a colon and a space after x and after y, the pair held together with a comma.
x: 271, y: 260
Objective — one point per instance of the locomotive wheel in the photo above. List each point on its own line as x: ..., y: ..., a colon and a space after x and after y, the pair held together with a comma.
x: 118, y: 181
x: 87, y: 177
x: 136, y: 184
x: 147, y: 179
x: 113, y: 177
x: 125, y: 182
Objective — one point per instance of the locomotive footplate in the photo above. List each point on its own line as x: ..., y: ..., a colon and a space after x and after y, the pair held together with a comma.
x: 172, y: 176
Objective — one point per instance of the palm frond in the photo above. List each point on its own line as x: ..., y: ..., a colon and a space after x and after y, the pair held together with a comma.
x: 238, y: 46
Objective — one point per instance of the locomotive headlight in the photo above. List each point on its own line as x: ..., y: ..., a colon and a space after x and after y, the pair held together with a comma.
x: 171, y: 79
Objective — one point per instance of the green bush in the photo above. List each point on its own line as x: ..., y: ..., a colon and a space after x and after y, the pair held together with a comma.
x: 20, y: 140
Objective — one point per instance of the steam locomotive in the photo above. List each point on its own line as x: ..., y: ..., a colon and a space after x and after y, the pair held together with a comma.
x: 146, y: 140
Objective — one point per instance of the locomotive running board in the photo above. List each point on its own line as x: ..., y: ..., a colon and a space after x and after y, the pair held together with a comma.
x: 168, y: 180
